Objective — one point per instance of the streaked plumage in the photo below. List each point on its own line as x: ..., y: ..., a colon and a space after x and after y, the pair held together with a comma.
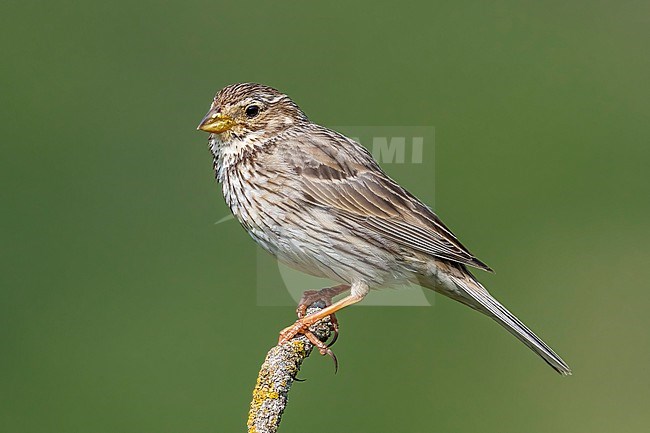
x: 319, y: 202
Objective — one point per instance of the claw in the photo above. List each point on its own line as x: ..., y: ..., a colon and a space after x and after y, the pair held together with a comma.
x: 329, y: 352
x: 336, y: 361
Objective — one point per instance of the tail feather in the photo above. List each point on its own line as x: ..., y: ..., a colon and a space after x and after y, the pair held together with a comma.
x: 485, y: 303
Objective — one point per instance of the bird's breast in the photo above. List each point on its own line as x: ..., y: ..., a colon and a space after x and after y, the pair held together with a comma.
x: 255, y: 198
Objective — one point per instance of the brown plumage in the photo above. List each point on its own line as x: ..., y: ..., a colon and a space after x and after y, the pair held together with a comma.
x: 319, y: 202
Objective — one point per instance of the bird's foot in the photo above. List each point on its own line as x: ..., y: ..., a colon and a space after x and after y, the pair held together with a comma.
x: 301, y: 326
x: 325, y: 295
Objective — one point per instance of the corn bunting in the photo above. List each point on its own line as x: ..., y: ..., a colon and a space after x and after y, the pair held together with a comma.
x: 320, y: 203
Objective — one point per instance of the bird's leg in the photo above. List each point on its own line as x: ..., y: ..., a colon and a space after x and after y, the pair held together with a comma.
x: 359, y: 291
x: 327, y: 296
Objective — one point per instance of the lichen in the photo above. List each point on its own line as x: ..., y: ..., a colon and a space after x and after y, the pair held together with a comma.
x: 276, y: 376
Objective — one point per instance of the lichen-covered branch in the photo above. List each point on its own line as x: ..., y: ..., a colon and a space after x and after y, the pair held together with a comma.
x: 277, y: 374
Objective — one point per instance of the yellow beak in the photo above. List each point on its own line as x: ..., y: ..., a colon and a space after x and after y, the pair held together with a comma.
x: 216, y: 122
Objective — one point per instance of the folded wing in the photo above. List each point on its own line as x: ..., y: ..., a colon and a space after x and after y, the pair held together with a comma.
x: 348, y: 182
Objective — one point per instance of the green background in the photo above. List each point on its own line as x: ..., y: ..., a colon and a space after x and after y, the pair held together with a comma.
x: 123, y: 308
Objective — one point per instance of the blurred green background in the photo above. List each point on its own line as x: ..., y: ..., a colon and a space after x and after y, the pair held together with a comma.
x: 123, y: 308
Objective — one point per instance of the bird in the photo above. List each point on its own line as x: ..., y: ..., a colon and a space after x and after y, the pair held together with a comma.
x: 320, y: 203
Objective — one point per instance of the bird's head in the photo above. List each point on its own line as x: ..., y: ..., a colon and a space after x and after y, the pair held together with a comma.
x: 249, y: 110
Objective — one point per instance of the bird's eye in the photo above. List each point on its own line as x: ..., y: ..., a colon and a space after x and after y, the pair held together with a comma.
x: 252, y: 111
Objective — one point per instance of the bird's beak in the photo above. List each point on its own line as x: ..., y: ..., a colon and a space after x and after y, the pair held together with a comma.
x: 216, y: 122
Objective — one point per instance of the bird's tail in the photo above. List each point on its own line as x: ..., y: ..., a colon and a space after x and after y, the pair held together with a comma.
x: 476, y: 296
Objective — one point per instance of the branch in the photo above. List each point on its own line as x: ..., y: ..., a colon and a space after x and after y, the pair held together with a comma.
x: 277, y: 374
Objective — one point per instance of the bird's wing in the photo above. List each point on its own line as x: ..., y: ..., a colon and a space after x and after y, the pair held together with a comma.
x: 339, y: 174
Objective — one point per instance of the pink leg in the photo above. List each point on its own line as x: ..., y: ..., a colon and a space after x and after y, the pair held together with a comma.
x: 305, y: 322
x: 326, y: 295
